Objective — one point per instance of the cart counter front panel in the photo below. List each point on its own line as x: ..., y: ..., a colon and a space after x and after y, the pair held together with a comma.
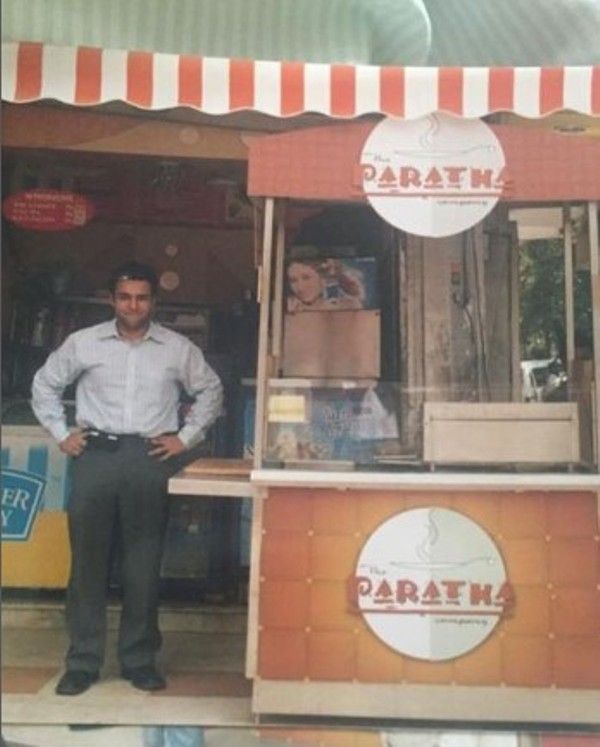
x: 495, y: 593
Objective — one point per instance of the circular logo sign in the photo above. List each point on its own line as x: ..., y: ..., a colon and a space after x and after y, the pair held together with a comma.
x: 430, y: 583
x: 434, y: 176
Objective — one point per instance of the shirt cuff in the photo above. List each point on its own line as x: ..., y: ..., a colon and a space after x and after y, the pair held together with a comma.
x: 190, y: 436
x: 59, y: 432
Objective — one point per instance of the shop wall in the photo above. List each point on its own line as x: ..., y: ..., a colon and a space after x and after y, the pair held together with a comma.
x: 214, y: 265
x: 550, y: 546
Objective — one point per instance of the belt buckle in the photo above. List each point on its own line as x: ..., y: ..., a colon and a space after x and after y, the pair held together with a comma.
x: 100, y: 440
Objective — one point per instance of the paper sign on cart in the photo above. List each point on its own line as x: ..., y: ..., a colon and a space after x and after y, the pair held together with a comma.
x: 287, y: 408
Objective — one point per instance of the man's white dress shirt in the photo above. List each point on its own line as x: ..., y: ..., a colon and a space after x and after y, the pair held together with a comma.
x: 128, y: 387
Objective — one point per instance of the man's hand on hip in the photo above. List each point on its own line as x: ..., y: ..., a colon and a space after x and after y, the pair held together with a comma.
x: 165, y: 447
x: 74, y: 444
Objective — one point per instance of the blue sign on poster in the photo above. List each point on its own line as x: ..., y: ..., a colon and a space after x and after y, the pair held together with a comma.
x: 21, y: 497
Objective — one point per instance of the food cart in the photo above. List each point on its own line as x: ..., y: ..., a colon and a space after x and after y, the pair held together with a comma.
x: 364, y: 590
x: 424, y: 544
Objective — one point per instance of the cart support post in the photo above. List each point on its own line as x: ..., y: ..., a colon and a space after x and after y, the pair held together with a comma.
x: 262, y: 366
x: 277, y: 340
x: 569, y: 295
x: 595, y: 283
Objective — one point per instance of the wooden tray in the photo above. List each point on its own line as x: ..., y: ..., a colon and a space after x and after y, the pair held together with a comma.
x: 220, y: 467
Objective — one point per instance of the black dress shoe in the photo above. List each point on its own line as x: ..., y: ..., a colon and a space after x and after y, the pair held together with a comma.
x: 144, y: 678
x: 75, y: 681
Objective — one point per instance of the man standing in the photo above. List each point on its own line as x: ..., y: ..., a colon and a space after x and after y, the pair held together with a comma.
x: 129, y: 373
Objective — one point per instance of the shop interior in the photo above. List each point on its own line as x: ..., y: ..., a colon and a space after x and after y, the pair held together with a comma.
x: 191, y: 221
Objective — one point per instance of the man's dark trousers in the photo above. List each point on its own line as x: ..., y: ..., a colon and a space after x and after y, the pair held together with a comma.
x: 125, y: 489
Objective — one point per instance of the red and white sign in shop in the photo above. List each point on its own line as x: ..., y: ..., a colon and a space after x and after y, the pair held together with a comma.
x: 431, y: 584
x: 48, y: 210
x: 434, y: 176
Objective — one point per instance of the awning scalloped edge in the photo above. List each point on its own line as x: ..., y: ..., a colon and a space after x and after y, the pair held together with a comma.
x: 86, y: 76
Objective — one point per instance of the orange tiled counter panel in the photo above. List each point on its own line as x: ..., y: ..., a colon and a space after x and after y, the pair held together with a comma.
x: 551, y: 550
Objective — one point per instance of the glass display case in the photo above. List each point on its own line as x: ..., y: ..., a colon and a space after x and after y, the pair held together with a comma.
x: 470, y: 351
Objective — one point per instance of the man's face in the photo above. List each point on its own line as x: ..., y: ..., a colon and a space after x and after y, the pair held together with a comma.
x: 133, y: 303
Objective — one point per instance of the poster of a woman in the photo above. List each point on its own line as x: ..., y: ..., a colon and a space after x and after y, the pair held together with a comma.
x: 330, y: 284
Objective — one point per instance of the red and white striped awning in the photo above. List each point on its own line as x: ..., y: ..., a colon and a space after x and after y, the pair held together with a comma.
x: 85, y: 76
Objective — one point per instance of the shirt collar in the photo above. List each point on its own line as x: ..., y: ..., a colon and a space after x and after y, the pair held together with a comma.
x: 109, y: 330
x: 155, y: 332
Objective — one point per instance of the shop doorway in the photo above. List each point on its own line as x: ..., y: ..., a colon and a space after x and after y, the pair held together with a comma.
x: 188, y: 218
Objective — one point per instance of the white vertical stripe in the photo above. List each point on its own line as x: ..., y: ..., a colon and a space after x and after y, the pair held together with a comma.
x: 165, y: 80
x: 18, y: 452
x: 267, y: 87
x: 578, y: 89
x: 475, y: 91
x: 9, y: 70
x: 215, y: 85
x: 58, y: 73
x: 527, y: 91
x: 421, y: 91
x: 114, y: 75
x: 54, y: 497
x: 367, y: 89
x: 317, y: 88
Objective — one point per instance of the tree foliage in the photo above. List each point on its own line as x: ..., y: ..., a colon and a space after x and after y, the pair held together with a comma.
x: 542, y: 290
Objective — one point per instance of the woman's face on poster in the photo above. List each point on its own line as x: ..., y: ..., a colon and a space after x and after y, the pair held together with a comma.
x: 305, y: 282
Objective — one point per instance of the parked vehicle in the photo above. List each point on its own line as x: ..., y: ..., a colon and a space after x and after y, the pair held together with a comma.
x: 543, y: 380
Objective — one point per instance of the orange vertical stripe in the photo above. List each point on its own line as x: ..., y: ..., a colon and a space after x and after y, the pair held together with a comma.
x: 139, y: 78
x: 88, y: 75
x: 292, y: 88
x: 596, y: 90
x: 551, y: 89
x: 29, y: 71
x: 241, y: 84
x: 392, y: 90
x: 450, y: 90
x: 343, y: 90
x: 190, y: 80
x: 501, y: 89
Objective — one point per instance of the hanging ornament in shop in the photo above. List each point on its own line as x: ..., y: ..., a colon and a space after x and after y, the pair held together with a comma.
x: 434, y: 176
x: 48, y: 210
x: 169, y: 280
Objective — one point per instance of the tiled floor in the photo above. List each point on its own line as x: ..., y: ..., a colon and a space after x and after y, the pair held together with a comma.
x: 132, y: 736
x: 64, y: 736
x: 208, y: 697
x: 205, y: 674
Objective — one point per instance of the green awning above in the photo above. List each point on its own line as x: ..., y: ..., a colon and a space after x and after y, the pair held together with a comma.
x: 377, y: 32
x: 514, y: 32
x: 368, y: 31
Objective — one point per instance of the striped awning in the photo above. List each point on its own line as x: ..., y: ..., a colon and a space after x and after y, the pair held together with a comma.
x: 85, y: 76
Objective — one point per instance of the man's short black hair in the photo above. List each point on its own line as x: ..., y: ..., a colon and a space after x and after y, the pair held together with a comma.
x: 133, y: 270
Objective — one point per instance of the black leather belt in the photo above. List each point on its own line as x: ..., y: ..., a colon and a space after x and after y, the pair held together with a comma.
x: 96, y: 439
